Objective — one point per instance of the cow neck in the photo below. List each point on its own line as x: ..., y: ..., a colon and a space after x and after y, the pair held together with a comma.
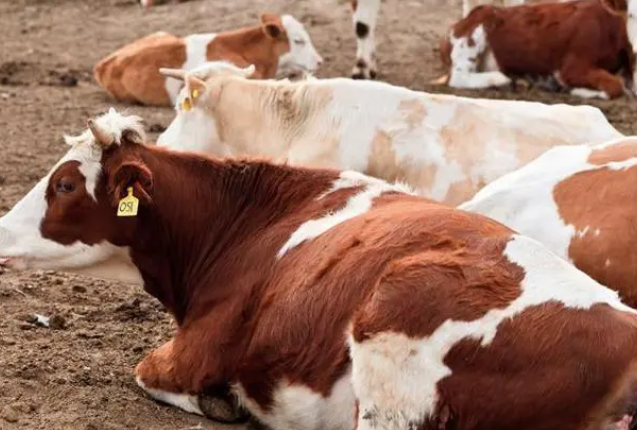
x: 191, y: 244
x: 252, y: 45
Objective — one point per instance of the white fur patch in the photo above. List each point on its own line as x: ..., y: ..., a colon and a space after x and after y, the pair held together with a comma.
x: 302, y: 56
x: 587, y: 93
x: 185, y: 402
x: 464, y: 59
x: 296, y: 407
x: 357, y: 205
x: 196, y: 55
x: 395, y: 377
x: 520, y: 198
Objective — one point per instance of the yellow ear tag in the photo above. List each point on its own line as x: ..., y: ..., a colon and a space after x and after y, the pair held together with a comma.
x: 128, y: 205
x: 186, y: 105
x: 195, y: 94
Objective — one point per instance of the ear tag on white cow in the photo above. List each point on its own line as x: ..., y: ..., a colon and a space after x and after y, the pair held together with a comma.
x: 186, y: 105
x: 128, y: 205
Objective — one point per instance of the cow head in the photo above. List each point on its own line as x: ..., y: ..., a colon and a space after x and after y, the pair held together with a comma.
x: 193, y: 128
x: 302, y: 56
x: 68, y: 221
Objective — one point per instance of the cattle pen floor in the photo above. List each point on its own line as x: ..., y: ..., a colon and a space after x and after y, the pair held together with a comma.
x: 78, y: 373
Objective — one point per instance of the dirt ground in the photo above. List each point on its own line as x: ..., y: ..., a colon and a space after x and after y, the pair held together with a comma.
x: 78, y: 373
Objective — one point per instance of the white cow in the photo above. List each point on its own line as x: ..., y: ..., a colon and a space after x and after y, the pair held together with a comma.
x: 445, y: 147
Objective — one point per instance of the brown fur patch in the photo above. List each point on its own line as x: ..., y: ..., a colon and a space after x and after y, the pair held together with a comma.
x: 131, y: 74
x: 602, y: 200
x: 622, y: 151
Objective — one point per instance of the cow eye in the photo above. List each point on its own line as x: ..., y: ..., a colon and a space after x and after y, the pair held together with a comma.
x: 64, y: 185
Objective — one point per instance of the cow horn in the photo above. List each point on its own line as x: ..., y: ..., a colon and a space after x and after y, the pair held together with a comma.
x: 173, y: 73
x: 248, y: 71
x: 442, y: 80
x: 101, y: 136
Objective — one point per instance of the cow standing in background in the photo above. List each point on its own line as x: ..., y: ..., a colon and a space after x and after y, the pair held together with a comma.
x: 582, y: 45
x: 445, y: 147
x: 331, y: 300
x: 278, y: 46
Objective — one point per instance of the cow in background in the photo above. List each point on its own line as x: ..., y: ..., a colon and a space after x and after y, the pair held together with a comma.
x: 581, y: 202
x: 278, y: 46
x: 445, y: 147
x: 582, y: 45
x: 365, y: 15
x: 331, y: 300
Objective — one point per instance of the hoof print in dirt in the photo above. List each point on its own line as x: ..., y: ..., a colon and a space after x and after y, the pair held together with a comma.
x: 133, y: 311
x: 61, y: 79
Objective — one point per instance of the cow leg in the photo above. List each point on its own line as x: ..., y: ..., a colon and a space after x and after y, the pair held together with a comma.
x: 364, y: 18
x: 167, y: 379
x: 158, y: 375
x: 466, y: 52
x: 589, y: 82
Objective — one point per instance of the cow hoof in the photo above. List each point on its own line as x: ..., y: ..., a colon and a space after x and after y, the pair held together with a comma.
x: 222, y: 410
x: 364, y: 74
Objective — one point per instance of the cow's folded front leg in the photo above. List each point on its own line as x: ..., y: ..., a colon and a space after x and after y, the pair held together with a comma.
x: 161, y: 377
x: 168, y: 378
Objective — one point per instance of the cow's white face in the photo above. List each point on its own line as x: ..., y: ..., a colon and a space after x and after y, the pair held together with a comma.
x: 23, y: 240
x: 302, y: 56
x: 193, y: 130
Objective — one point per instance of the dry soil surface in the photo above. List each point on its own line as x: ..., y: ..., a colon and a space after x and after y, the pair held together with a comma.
x: 78, y: 373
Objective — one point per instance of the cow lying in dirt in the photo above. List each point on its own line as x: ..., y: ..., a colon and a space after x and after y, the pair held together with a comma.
x: 277, y: 46
x: 580, y: 202
x: 365, y: 15
x: 581, y: 45
x: 443, y: 146
x: 331, y: 300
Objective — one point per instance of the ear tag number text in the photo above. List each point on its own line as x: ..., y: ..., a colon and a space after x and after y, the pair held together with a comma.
x: 128, y: 205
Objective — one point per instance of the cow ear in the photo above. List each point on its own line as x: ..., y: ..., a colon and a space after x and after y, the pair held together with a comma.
x: 272, y: 25
x: 133, y: 175
x: 195, y: 88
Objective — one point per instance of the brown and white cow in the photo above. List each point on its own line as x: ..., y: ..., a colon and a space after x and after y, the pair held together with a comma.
x: 365, y: 16
x: 277, y: 47
x: 582, y: 45
x: 445, y: 147
x: 332, y: 300
x: 580, y: 202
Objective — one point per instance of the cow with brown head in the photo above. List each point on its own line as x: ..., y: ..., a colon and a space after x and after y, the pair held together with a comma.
x: 331, y: 300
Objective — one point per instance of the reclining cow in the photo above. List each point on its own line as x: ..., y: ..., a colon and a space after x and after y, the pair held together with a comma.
x: 443, y: 146
x: 580, y: 202
x: 331, y: 300
x: 277, y: 46
x: 581, y: 45
x: 365, y: 15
